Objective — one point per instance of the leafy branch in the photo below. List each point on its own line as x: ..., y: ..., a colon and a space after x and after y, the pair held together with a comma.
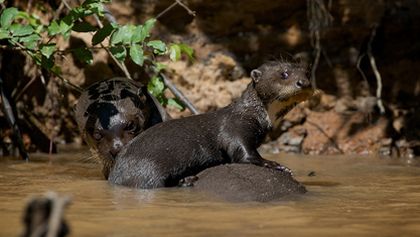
x: 25, y: 32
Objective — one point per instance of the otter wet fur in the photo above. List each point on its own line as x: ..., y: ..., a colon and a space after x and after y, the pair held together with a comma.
x: 111, y: 113
x: 169, y: 152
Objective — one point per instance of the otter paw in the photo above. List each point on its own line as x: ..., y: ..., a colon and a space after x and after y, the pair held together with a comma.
x: 187, y: 181
x: 277, y: 166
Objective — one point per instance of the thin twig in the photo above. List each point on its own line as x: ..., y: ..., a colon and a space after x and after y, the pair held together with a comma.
x: 23, y: 90
x: 359, y: 61
x: 179, y: 94
x: 177, y: 2
x: 166, y: 10
x: 191, y: 12
x: 317, y: 57
x: 58, y: 11
x: 319, y: 18
x: 332, y: 141
x: 67, y: 82
x: 375, y: 71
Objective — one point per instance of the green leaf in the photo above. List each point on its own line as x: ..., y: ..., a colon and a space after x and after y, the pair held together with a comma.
x: 187, y: 50
x: 38, y: 28
x: 147, y: 27
x: 158, y: 46
x: 22, y: 15
x: 174, y: 52
x: 1, y: 1
x: 4, y: 34
x: 30, y: 38
x: 54, y: 28
x: 75, y: 14
x: 65, y: 26
x: 7, y: 16
x: 156, y: 86
x: 175, y: 103
x: 102, y: 33
x: 122, y: 35
x: 83, y: 27
x: 47, y: 50
x: 157, y: 67
x: 84, y: 55
x: 119, y: 52
x: 137, y: 36
x: 136, y: 54
x: 30, y: 41
x: 95, y: 8
x: 21, y: 30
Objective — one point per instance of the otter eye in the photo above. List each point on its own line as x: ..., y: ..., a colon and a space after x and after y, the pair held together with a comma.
x: 97, y: 135
x: 131, y: 127
x: 284, y: 75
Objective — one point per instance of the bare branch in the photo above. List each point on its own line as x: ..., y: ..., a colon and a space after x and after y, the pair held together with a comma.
x: 179, y: 94
x: 316, y: 60
x: 332, y: 141
x: 177, y: 2
x: 375, y: 71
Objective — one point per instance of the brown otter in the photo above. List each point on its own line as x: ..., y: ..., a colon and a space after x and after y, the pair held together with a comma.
x: 168, y: 152
x: 112, y: 112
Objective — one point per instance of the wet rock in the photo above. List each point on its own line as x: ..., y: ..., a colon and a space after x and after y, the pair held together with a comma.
x: 385, y: 148
x: 406, y: 148
x: 292, y: 140
x: 245, y: 182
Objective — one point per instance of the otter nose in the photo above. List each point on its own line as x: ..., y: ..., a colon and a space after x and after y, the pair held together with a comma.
x: 302, y: 83
x: 116, y: 147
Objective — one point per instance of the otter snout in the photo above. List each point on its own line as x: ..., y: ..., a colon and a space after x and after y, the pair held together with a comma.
x: 116, y: 147
x: 303, y: 83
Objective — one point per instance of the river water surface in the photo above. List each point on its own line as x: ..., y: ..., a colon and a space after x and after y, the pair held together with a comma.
x: 347, y: 196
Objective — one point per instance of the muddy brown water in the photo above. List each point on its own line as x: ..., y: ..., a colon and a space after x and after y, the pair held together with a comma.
x: 348, y: 196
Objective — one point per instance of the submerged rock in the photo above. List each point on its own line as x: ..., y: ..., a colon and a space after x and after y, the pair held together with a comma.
x: 246, y: 182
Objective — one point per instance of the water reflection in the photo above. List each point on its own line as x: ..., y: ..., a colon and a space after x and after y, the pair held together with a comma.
x: 347, y: 196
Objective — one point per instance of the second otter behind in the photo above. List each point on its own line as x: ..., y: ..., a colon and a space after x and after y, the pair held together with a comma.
x: 168, y: 152
x: 112, y: 112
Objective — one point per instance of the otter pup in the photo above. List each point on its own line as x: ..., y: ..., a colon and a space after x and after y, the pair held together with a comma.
x: 111, y: 113
x: 168, y: 152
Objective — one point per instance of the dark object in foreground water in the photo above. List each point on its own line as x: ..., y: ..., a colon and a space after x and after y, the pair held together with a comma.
x: 166, y: 153
x: 245, y: 182
x: 44, y: 217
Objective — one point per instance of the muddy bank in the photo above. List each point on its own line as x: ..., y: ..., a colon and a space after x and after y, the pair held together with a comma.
x: 230, y: 39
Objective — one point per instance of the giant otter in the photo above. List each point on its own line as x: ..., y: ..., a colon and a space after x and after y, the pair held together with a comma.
x: 111, y: 113
x: 170, y: 151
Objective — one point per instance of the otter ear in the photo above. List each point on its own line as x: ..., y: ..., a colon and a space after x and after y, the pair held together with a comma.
x: 256, y: 75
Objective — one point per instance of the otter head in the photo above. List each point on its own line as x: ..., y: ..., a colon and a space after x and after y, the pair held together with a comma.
x: 281, y: 86
x: 110, y: 114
